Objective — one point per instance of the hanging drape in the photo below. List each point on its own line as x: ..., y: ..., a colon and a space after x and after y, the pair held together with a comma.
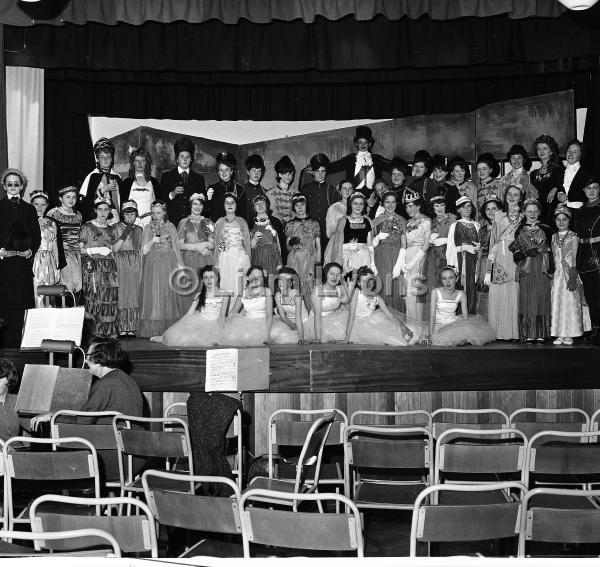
x: 3, y: 137
x: 25, y: 123
x: 137, y: 12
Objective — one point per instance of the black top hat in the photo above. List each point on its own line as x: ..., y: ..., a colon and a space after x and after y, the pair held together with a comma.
x: 364, y: 132
x: 255, y: 161
x: 319, y: 160
x: 184, y: 145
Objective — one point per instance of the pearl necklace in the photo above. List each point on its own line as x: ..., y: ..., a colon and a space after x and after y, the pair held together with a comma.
x: 560, y: 242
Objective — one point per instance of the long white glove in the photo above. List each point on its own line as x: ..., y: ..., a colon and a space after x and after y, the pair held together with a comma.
x: 350, y: 247
x: 400, y: 262
x: 440, y: 241
x: 381, y: 236
x: 487, y: 280
x: 434, y: 236
x: 416, y: 259
x: 102, y: 250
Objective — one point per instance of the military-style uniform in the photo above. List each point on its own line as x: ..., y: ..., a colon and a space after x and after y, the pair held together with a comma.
x: 587, y: 226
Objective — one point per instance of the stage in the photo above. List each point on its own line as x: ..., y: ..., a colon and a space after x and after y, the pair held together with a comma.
x: 502, y: 375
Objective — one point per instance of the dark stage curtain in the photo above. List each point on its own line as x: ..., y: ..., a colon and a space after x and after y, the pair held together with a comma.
x: 137, y: 12
x: 3, y: 133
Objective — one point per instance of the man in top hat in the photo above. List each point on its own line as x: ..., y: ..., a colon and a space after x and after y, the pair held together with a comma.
x: 363, y: 167
x: 179, y: 184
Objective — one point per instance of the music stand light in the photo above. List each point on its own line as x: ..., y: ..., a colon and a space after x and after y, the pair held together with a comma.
x: 56, y: 290
x: 51, y: 346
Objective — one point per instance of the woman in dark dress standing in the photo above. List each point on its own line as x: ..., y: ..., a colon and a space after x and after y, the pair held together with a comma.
x: 548, y: 179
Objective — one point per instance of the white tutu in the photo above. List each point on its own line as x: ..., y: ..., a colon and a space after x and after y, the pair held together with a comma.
x: 474, y: 330
x: 379, y: 329
x: 281, y: 334
x: 192, y: 330
x: 333, y: 325
x: 241, y: 330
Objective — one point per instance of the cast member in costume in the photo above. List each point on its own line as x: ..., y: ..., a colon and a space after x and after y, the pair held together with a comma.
x: 140, y: 186
x: 216, y: 192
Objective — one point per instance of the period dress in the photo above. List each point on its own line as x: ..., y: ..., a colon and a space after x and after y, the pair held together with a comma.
x: 503, y: 301
x: 69, y: 224
x: 267, y: 251
x: 519, y: 178
x: 280, y: 332
x: 485, y: 189
x: 100, y: 281
x: 544, y: 183
x: 232, y: 253
x: 436, y: 254
x: 570, y: 313
x: 386, y: 254
x: 46, y: 260
x: 159, y: 307
x: 304, y: 258
x: 129, y: 271
x: 418, y: 232
x: 334, y: 214
x: 481, y: 290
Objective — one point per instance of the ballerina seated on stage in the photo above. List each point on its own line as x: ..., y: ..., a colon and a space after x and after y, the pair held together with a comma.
x: 328, y: 315
x: 370, y: 320
x: 290, y: 325
x: 446, y: 328
x: 252, y: 325
x: 202, y: 325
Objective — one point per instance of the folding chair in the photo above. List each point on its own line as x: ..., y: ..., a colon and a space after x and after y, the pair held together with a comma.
x: 467, y: 419
x: 193, y: 512
x: 530, y: 428
x: 134, y: 533
x: 291, y: 434
x: 418, y: 418
x: 233, y: 435
x: 45, y: 466
x: 310, y: 456
x: 161, y: 446
x: 300, y: 530
x: 99, y: 432
x: 545, y: 523
x: 432, y: 523
x: 91, y: 535
x: 3, y: 516
x: 387, y: 467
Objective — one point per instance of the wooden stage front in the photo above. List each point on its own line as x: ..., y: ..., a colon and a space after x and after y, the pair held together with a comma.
x: 351, y: 377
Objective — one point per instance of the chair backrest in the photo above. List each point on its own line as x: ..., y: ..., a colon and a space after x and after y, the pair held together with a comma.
x: 190, y: 511
x: 561, y: 524
x: 485, y: 452
x: 301, y: 530
x: 4, y: 503
x: 580, y: 420
x: 135, y: 533
x: 546, y: 456
x: 467, y: 419
x: 408, y: 418
x: 293, y: 432
x: 464, y: 523
x: 93, y: 536
x: 101, y: 435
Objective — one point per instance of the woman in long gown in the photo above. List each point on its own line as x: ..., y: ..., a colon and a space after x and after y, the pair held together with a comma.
x: 548, y: 178
x: 531, y: 251
x: 412, y: 260
x: 69, y: 224
x: 202, y: 325
x: 161, y: 258
x: 292, y: 315
x: 463, y: 248
x: 196, y: 240
x: 503, y: 300
x: 336, y: 211
x: 303, y: 239
x: 570, y: 313
x: 232, y: 248
x: 459, y: 184
x: 100, y: 282
x: 371, y: 322
x: 518, y: 176
x: 389, y: 229
x: 266, y: 237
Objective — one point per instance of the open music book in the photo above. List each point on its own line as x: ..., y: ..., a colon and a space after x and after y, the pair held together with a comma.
x: 50, y: 323
x: 237, y: 370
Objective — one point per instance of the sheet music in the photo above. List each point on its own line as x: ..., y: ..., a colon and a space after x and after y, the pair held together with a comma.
x: 50, y: 323
x: 69, y: 324
x: 221, y: 370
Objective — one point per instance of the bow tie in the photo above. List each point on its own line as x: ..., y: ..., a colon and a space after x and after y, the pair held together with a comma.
x: 14, y: 201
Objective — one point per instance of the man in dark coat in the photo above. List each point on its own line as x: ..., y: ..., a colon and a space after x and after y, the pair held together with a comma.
x: 179, y: 184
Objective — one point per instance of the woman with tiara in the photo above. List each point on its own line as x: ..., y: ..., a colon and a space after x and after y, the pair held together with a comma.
x: 202, y: 325
x: 196, y: 240
x: 338, y: 210
x: 50, y: 257
x: 161, y: 256
x: 266, y: 237
x: 371, y: 322
x: 446, y: 327
x: 69, y: 224
x: 290, y: 325
x: 251, y: 318
x: 328, y: 316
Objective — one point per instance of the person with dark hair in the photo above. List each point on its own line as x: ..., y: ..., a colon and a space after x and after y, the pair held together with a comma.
x: 398, y: 175
x: 255, y: 168
x: 225, y: 185
x: 338, y: 209
x: 140, y: 186
x: 303, y: 237
x: 572, y: 192
x: 69, y: 224
x: 518, y: 176
x: 547, y: 179
x: 101, y: 184
x: 266, y: 237
x: 19, y: 241
x: 371, y: 322
x: 487, y: 183
x: 202, y: 325
x: 458, y: 184
x: 128, y: 257
x: 375, y: 201
x: 100, y: 282
x: 179, y: 184
x: 232, y: 247
x: 161, y: 255
x: 439, y: 170
x: 280, y: 196
x: 9, y: 420
x: 290, y: 325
